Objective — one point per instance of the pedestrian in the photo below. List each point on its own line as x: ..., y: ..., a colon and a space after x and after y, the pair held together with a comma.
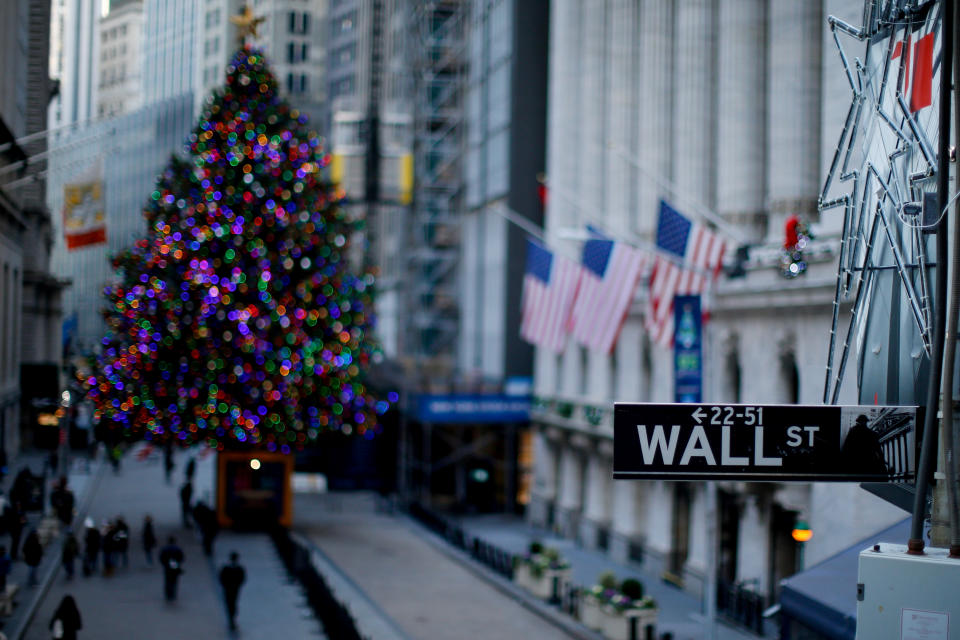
x: 66, y: 620
x: 6, y: 565
x: 231, y: 578
x: 168, y: 462
x: 191, y: 468
x: 16, y: 519
x: 91, y: 548
x: 108, y: 544
x: 186, y: 497
x: 171, y: 558
x: 32, y: 555
x: 62, y: 502
x: 121, y: 541
x: 71, y: 549
x: 149, y: 539
x: 115, y: 454
x: 206, y: 520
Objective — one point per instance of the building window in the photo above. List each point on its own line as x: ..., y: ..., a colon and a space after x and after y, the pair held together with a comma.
x: 290, y: 83
x: 304, y: 52
x: 291, y: 52
x: 306, y: 23
x: 303, y: 83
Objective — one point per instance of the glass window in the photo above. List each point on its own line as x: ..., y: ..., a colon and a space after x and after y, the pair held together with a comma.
x: 290, y: 82
x: 303, y: 83
x: 304, y: 52
x: 291, y: 50
x: 306, y: 22
x: 293, y: 22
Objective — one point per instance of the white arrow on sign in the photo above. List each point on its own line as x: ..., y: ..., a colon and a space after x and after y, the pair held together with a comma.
x: 698, y: 414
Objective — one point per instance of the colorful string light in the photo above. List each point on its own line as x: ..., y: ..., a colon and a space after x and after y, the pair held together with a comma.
x: 235, y: 321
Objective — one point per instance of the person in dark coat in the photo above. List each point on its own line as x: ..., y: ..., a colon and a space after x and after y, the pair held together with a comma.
x: 66, y: 619
x: 71, y: 549
x: 108, y: 544
x: 32, y: 555
x: 186, y: 500
x: 121, y: 541
x: 862, y: 452
x: 62, y: 501
x: 16, y: 519
x: 191, y: 469
x: 171, y: 559
x: 6, y: 565
x: 91, y: 547
x: 168, y: 463
x: 231, y: 578
x: 206, y: 520
x: 149, y: 539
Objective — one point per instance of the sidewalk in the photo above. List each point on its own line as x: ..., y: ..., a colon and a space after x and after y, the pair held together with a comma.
x: 680, y: 613
x: 82, y: 479
x: 130, y: 604
x: 400, y: 571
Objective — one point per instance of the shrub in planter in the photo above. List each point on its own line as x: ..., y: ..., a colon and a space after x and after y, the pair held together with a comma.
x: 607, y: 580
x: 632, y: 588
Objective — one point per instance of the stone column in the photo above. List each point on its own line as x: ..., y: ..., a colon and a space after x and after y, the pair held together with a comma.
x: 596, y: 511
x: 694, y: 103
x: 570, y: 484
x: 655, y: 112
x: 657, y: 525
x: 793, y: 112
x: 695, y: 570
x: 628, y: 505
x: 753, y: 543
x: 594, y: 189
x: 622, y: 29
x: 741, y: 113
x: 544, y: 490
x: 563, y: 115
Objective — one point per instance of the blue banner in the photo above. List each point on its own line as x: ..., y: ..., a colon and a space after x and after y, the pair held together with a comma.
x: 473, y: 408
x: 687, y: 349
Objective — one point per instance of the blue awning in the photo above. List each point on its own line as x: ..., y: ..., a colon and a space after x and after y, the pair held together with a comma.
x: 824, y: 597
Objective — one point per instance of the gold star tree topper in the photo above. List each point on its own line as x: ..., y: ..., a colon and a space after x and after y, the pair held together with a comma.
x: 247, y: 24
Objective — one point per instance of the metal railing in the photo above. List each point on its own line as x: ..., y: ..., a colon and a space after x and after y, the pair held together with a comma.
x: 740, y: 604
x: 480, y: 550
x: 335, y: 618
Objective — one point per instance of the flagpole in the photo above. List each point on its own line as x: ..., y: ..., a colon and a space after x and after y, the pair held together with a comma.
x: 631, y: 239
x: 666, y: 185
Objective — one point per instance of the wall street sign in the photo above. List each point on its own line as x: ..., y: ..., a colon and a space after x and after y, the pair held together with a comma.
x: 775, y: 443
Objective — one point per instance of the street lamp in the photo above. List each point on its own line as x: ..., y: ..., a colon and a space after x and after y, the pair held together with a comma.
x: 801, y: 533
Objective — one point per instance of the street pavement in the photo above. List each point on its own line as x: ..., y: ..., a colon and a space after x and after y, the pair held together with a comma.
x: 431, y: 590
x: 422, y: 589
x: 398, y: 579
x: 130, y: 604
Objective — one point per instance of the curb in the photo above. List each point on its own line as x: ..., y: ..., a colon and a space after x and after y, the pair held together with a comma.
x: 21, y: 625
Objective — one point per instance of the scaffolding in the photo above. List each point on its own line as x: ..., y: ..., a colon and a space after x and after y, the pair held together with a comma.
x: 440, y: 66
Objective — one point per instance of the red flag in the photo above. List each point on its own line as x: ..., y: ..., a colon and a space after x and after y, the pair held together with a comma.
x: 920, y: 92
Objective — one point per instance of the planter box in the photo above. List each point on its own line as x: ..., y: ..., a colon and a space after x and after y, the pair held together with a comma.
x: 522, y: 577
x: 617, y: 625
x: 552, y: 582
x: 591, y: 613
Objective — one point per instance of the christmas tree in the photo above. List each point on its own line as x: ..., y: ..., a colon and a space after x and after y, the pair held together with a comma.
x: 236, y: 321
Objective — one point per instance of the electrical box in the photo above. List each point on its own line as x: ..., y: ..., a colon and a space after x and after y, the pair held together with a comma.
x: 905, y: 597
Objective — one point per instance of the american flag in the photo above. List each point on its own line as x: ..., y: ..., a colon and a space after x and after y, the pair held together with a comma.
x: 549, y: 287
x: 611, y: 271
x: 700, y: 252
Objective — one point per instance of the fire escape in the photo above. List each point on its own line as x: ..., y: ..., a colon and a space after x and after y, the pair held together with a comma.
x: 439, y: 76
